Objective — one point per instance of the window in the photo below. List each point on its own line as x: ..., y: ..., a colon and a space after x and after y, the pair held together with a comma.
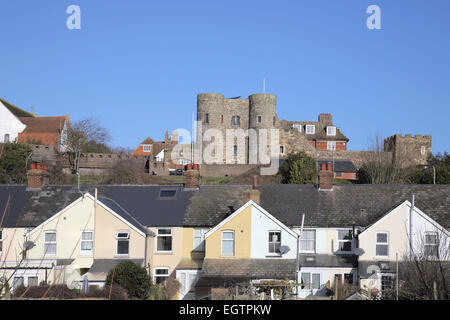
x: 431, y: 244
x: 274, y: 241
x: 338, y: 174
x: 297, y: 126
x: 1, y: 240
x: 422, y: 150
x: 147, y: 147
x: 164, y: 240
x: 160, y: 275
x: 259, y: 119
x: 228, y: 243
x: 344, y: 240
x: 50, y: 242
x: 6, y: 138
x: 33, y: 281
x: 331, y: 145
x: 387, y: 282
x: 308, y: 241
x: 281, y: 149
x: 235, y: 150
x: 207, y: 118
x: 87, y: 243
x: 123, y: 242
x: 310, y: 129
x: 310, y: 280
x: 331, y: 131
x: 348, y: 278
x: 235, y: 121
x: 199, y: 239
x: 221, y: 120
x: 382, y: 244
x: 17, y: 282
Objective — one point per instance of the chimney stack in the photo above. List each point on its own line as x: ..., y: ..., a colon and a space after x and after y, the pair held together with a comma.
x: 254, y: 194
x: 37, y: 176
x: 192, y: 179
x: 166, y: 138
x: 326, y: 176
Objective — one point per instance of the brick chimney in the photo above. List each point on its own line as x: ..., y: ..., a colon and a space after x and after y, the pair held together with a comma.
x: 326, y: 176
x: 37, y: 176
x: 253, y: 194
x: 192, y: 179
x: 326, y: 118
x: 166, y: 138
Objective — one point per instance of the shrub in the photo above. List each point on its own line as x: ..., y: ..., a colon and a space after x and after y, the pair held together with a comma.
x: 117, y: 292
x: 298, y: 168
x: 132, y: 277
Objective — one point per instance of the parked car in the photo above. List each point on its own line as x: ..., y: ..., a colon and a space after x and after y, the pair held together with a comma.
x: 179, y: 172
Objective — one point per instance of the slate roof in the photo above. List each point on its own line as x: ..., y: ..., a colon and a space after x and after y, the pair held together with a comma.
x: 213, y: 203
x: 223, y: 272
x: 320, y: 130
x: 341, y: 165
x: 341, y: 207
x: 30, y: 208
x: 328, y: 260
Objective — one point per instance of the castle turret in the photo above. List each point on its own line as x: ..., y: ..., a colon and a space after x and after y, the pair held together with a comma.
x: 409, y: 150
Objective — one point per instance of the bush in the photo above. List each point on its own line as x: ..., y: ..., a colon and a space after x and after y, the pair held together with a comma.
x: 298, y: 168
x: 132, y: 277
x: 59, y: 291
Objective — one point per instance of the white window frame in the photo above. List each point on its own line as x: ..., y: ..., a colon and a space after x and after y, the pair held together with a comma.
x: 338, y: 242
x: 331, y: 130
x: 308, y: 129
x: 302, y: 239
x: 233, y: 240
x: 164, y: 235
x: 311, y: 273
x: 297, y: 126
x: 50, y: 243
x: 86, y: 252
x: 331, y: 145
x: 122, y: 239
x: 147, y: 148
x: 436, y: 244
x: 268, y: 244
x: 201, y: 245
x: 382, y: 243
x: 159, y: 275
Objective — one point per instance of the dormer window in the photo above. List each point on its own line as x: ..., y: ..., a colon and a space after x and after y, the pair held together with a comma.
x: 310, y: 129
x: 297, y: 126
x: 331, y: 130
x: 147, y: 147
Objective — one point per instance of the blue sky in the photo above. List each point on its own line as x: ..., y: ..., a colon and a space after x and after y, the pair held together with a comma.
x: 138, y: 66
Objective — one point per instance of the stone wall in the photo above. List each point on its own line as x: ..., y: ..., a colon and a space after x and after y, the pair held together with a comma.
x: 221, y: 170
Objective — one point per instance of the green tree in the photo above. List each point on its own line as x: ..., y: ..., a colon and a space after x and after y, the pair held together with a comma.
x: 424, y: 174
x: 13, y: 158
x: 132, y: 278
x: 298, y: 168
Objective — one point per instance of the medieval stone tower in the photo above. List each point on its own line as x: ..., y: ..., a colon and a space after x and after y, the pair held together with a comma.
x: 409, y: 150
x: 215, y: 112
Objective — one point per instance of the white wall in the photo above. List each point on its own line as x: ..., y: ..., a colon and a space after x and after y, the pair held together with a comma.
x: 9, y: 124
x: 261, y: 225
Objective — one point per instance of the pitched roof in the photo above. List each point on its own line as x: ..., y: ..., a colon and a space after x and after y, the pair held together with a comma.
x: 30, y: 208
x: 327, y: 260
x: 320, y: 130
x: 18, y: 112
x: 224, y: 272
x: 341, y: 207
x: 43, y: 124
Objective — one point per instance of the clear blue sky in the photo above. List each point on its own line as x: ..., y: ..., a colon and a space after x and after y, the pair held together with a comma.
x: 137, y: 66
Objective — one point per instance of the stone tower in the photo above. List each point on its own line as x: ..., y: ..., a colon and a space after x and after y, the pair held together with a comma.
x: 409, y: 150
x: 215, y: 112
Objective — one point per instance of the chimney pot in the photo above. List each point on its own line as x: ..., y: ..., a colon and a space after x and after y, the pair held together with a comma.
x: 255, y: 182
x: 329, y: 167
x: 322, y: 166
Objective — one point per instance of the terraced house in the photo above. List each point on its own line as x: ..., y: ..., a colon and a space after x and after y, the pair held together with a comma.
x: 212, y: 237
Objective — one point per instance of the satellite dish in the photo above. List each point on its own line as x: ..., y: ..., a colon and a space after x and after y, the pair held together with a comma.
x: 28, y: 245
x: 284, y: 249
x: 358, y: 251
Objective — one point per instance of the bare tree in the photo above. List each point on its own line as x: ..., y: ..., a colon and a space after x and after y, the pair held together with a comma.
x: 380, y: 167
x: 79, y: 135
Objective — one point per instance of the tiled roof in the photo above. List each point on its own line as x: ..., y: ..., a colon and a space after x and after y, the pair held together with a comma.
x: 327, y: 260
x: 341, y: 207
x: 18, y: 112
x: 223, y: 272
x: 341, y: 165
x: 45, y: 130
x: 320, y: 130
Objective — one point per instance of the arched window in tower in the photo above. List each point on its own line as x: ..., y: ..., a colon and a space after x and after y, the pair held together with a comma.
x: 207, y: 118
x: 259, y: 119
x: 236, y: 121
